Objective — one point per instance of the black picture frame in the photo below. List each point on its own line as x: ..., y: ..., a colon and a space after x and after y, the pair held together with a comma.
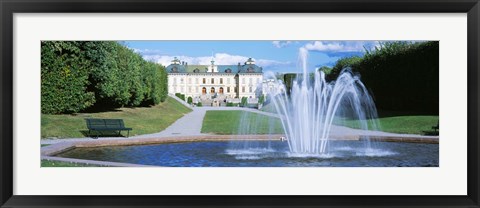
x: 10, y: 7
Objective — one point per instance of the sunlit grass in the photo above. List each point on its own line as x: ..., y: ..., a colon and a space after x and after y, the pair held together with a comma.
x: 143, y: 120
x: 230, y: 122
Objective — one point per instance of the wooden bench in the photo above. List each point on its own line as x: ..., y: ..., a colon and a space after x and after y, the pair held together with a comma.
x: 99, y: 125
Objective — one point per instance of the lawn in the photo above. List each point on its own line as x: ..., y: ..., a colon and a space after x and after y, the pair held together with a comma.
x: 394, y: 122
x: 270, y: 107
x: 404, y: 124
x: 229, y: 122
x: 143, y: 120
x: 50, y: 163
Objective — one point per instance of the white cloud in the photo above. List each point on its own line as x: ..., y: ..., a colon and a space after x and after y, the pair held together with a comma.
x: 341, y: 46
x: 146, y: 51
x: 219, y: 58
x: 281, y: 44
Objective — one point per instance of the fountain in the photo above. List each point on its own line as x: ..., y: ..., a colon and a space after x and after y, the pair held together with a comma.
x: 312, y: 115
x: 308, y: 113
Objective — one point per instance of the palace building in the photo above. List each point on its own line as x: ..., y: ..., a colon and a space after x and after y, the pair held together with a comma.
x: 209, y: 83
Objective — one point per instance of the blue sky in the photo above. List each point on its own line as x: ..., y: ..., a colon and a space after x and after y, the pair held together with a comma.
x: 276, y: 56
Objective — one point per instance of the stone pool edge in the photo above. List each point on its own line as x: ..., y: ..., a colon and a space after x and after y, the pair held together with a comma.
x: 49, y: 152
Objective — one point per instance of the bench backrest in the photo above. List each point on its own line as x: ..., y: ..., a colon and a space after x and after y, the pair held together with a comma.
x: 104, y: 123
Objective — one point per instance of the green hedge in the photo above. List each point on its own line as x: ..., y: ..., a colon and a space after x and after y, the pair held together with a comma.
x: 81, y: 75
x: 261, y: 99
x: 243, y: 102
x: 288, y: 81
x: 180, y: 95
x: 401, y: 76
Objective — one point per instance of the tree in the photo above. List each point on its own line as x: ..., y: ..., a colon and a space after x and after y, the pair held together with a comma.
x: 288, y: 81
x: 342, y: 64
x: 325, y: 69
x: 64, y: 78
x: 80, y: 75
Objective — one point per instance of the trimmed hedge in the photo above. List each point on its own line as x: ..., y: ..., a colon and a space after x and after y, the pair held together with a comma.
x: 180, y: 95
x: 82, y: 75
x: 244, y: 102
x: 401, y: 76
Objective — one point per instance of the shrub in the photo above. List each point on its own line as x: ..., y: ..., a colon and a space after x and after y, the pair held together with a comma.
x: 64, y: 78
x: 261, y: 99
x: 243, y: 102
x: 288, y: 80
x: 199, y: 104
x: 190, y: 100
x: 80, y: 75
x: 401, y: 76
x: 180, y: 95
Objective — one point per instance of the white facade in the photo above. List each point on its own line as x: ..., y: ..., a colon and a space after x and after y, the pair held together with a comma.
x: 207, y: 82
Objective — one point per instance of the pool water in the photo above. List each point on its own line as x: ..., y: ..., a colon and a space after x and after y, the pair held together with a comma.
x: 265, y: 154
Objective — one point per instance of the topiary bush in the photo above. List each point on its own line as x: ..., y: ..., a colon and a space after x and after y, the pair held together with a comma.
x: 97, y: 75
x: 244, y: 102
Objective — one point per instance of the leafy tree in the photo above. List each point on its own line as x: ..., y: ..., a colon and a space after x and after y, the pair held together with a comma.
x: 80, y: 75
x: 327, y: 70
x: 401, y: 75
x: 288, y: 81
x: 64, y: 78
x: 342, y: 64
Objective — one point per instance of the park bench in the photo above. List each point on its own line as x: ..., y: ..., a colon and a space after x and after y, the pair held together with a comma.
x: 99, y: 125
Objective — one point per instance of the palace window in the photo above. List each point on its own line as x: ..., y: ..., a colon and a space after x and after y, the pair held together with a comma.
x: 250, y: 89
x: 228, y: 89
x: 196, y: 80
x: 243, y: 80
x: 174, y: 80
x: 204, y: 80
x: 243, y: 89
x: 213, y: 80
x: 228, y: 80
x: 221, y: 80
x: 250, y: 81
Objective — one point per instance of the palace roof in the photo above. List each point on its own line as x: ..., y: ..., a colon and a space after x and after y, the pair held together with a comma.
x: 183, y: 68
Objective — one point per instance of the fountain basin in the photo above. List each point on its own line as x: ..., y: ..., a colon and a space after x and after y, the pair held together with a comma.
x: 344, y: 153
